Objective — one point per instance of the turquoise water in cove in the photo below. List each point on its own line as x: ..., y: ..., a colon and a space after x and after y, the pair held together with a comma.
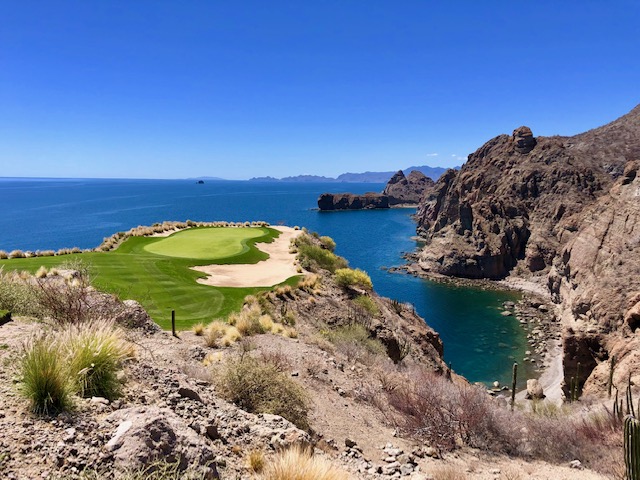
x: 481, y: 344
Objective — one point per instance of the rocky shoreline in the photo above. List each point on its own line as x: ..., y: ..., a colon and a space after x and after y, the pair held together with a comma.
x: 535, y: 312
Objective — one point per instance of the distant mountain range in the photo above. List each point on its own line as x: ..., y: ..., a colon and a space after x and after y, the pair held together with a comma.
x: 367, y: 177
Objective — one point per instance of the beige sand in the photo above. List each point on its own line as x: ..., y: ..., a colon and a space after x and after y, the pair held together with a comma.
x: 276, y: 269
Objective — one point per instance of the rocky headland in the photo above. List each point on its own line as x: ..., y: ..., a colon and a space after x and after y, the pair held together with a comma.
x: 400, y: 190
x: 560, y: 212
x: 351, y: 201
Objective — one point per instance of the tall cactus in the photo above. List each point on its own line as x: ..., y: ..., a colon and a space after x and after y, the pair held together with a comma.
x: 632, y: 448
x: 612, y: 365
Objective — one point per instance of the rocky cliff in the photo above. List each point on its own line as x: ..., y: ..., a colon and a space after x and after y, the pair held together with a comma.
x: 562, y: 206
x: 596, y: 279
x: 351, y: 201
x: 408, y: 189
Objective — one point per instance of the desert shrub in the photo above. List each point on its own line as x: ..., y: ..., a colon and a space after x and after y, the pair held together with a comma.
x: 5, y: 316
x: 219, y: 333
x: 290, y: 332
x: 68, y: 300
x: 266, y: 322
x: 313, y: 257
x: 328, y: 243
x: 396, y: 306
x: 354, y: 341
x: 299, y: 464
x: 249, y: 324
x: 448, y: 472
x: 95, y: 353
x: 367, y: 304
x: 276, y: 358
x: 157, y: 470
x: 18, y: 296
x: 289, y: 318
x: 309, y: 283
x: 433, y: 409
x: 444, y: 413
x: 44, y: 377
x: 259, y: 387
x: 284, y: 291
x: 348, y: 277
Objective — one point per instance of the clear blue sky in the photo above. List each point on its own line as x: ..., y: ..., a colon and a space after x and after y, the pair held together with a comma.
x: 235, y: 89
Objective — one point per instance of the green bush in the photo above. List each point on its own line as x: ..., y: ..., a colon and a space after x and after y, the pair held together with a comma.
x: 366, y: 303
x: 314, y: 257
x: 95, y: 352
x: 260, y: 387
x: 347, y: 277
x: 328, y: 243
x: 45, y: 377
x: 5, y: 316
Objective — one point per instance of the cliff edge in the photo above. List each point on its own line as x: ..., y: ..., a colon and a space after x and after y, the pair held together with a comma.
x: 565, y: 207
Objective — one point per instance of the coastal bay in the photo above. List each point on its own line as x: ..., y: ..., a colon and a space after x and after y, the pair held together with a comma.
x: 480, y: 343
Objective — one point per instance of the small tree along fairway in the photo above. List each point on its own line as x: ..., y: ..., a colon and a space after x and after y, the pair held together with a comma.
x: 155, y: 271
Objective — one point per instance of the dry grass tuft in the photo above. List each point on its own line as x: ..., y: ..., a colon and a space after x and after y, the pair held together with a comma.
x: 95, y: 352
x: 198, y: 329
x: 266, y: 322
x: 256, y: 461
x: 220, y: 334
x: 299, y: 464
x: 42, y: 272
x: 448, y: 472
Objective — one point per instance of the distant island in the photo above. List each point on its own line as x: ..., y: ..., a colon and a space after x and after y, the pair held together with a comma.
x: 367, y: 177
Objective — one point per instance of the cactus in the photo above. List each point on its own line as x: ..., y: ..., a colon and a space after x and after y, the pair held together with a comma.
x: 612, y: 365
x: 632, y: 448
x: 513, y: 384
x: 616, y: 411
x: 630, y: 409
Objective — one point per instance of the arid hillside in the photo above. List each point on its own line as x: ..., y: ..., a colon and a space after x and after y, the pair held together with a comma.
x: 324, y: 380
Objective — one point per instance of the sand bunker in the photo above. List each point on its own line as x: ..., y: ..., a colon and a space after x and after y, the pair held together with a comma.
x: 276, y: 269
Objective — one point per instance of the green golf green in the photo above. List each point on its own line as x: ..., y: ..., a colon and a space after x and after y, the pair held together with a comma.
x: 205, y: 243
x: 165, y: 282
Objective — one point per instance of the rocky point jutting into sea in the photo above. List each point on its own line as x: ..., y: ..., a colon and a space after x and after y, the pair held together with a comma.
x: 561, y: 211
x: 399, y: 190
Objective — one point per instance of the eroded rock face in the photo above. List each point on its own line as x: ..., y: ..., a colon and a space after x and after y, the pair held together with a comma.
x: 132, y: 315
x: 520, y: 199
x: 408, y: 189
x: 350, y: 201
x: 596, y: 277
x: 147, y: 434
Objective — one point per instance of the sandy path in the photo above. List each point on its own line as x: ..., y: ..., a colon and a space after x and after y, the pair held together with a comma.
x: 276, y: 269
x: 552, y: 374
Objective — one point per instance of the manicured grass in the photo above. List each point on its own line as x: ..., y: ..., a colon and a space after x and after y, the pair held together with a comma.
x: 162, y: 283
x: 206, y: 243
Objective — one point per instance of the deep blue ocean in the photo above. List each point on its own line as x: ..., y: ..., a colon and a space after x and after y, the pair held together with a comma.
x: 481, y: 344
